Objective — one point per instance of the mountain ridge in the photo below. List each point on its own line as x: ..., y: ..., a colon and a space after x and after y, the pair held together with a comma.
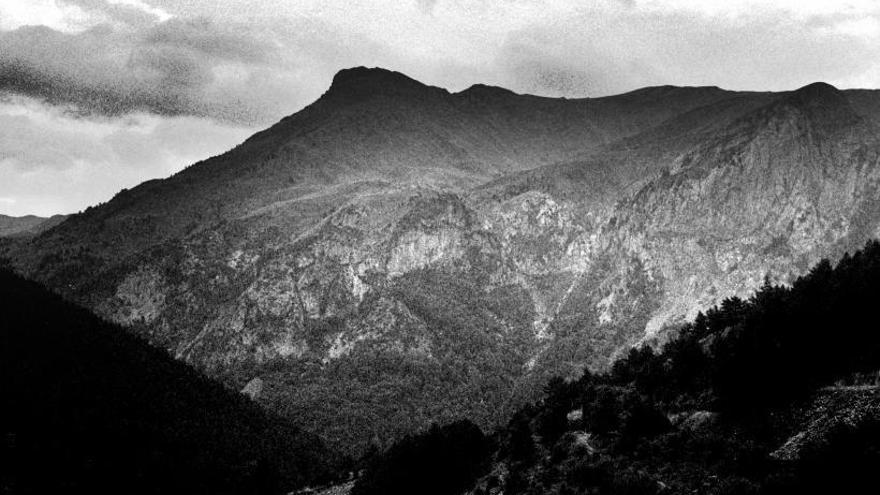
x: 27, y: 225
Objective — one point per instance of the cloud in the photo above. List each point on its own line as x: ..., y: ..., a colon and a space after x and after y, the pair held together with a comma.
x: 62, y: 17
x: 598, y: 53
x: 122, y: 58
x: 54, y: 162
x: 426, y: 5
x: 176, y: 67
x: 123, y: 12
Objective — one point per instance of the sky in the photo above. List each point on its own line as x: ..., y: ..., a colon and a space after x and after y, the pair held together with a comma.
x: 99, y: 95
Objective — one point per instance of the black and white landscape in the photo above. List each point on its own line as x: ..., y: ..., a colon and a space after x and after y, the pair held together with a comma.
x: 448, y: 287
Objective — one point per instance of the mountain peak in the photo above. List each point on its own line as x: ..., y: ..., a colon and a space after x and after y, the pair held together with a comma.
x: 370, y: 75
x: 823, y: 104
x: 818, y: 86
x: 364, y: 82
x: 815, y: 93
x: 485, y: 91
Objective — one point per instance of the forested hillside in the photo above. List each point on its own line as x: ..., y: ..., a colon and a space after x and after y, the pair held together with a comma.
x: 89, y: 408
x: 773, y: 394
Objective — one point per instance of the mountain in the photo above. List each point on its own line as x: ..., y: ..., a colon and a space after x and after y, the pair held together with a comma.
x: 89, y: 408
x: 395, y: 254
x: 27, y: 225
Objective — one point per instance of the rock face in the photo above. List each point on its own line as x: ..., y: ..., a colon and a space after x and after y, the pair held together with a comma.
x: 253, y: 388
x: 395, y: 254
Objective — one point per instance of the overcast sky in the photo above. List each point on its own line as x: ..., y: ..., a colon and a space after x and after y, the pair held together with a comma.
x: 96, y: 95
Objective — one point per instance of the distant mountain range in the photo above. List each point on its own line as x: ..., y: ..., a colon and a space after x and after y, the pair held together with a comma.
x: 395, y: 254
x: 27, y: 225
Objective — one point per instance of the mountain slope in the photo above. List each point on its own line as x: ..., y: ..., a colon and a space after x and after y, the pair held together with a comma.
x: 767, y: 196
x: 395, y: 254
x: 91, y: 409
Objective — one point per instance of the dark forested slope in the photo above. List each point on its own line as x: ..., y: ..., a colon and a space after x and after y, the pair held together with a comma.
x: 88, y: 408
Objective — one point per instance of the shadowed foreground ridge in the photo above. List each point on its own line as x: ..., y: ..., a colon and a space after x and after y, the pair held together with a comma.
x: 88, y: 408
